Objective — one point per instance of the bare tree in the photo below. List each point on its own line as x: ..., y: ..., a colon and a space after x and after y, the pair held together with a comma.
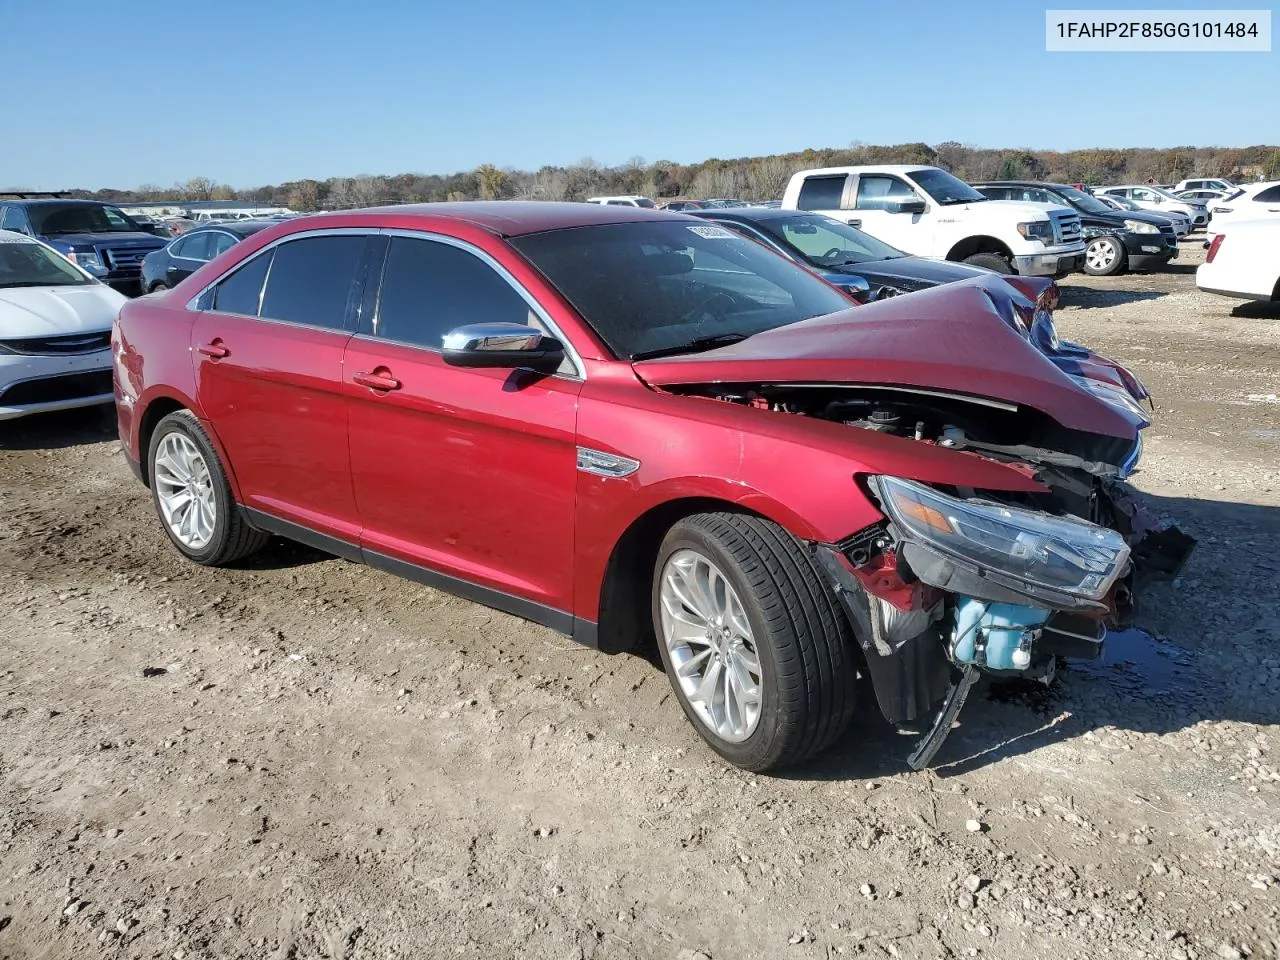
x: 304, y: 195
x: 767, y: 178
x: 717, y: 182
x: 197, y: 188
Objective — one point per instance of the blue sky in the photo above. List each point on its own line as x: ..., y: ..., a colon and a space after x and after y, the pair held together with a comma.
x: 257, y: 91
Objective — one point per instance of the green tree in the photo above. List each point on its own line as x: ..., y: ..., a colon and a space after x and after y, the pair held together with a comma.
x: 492, y: 181
x: 1010, y: 169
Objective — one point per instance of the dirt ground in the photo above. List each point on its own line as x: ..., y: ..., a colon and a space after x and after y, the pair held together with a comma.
x: 305, y: 758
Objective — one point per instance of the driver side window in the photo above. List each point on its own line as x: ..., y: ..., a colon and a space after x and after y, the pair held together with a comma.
x: 876, y: 192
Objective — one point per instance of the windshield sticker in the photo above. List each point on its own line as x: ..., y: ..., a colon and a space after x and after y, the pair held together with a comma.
x: 713, y: 233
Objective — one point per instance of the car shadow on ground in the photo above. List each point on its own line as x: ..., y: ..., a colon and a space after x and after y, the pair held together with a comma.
x: 67, y: 428
x: 1091, y: 298
x: 1257, y: 310
x: 1172, y: 670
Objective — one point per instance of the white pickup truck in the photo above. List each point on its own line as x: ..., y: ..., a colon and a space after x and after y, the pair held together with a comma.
x: 928, y: 212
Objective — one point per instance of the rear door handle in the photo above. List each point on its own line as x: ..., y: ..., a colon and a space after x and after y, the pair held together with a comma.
x: 377, y: 380
x: 215, y: 350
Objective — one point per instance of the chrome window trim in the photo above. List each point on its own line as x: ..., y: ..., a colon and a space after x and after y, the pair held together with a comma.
x: 193, y: 303
x: 178, y: 239
x: 580, y: 370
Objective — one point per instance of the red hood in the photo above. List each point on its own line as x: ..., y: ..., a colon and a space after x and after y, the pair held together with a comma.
x: 950, y: 338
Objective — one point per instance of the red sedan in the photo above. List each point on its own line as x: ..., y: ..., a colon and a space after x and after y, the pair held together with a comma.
x: 623, y: 424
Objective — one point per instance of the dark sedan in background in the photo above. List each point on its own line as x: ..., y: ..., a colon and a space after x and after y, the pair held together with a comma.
x: 186, y: 254
x: 857, y: 262
x: 1115, y: 241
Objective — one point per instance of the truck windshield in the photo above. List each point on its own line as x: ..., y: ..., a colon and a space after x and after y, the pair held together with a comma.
x: 51, y: 218
x: 26, y: 264
x: 944, y: 188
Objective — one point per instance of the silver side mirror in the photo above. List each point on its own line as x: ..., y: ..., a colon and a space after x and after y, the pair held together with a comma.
x: 502, y: 345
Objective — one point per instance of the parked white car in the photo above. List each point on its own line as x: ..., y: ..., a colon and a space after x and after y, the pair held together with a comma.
x: 1243, y: 261
x: 55, y: 330
x: 1257, y: 201
x: 630, y: 200
x: 927, y: 212
x: 1204, y: 183
x: 1159, y: 201
x: 1180, y: 221
x: 1203, y: 196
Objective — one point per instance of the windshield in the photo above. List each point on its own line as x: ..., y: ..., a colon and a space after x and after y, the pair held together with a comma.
x: 27, y: 264
x: 644, y: 202
x: 655, y: 288
x: 51, y: 218
x: 1123, y: 202
x: 825, y: 242
x: 1084, y: 201
x: 944, y: 188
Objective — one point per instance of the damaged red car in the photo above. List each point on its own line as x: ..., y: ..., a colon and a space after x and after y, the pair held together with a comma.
x: 632, y: 425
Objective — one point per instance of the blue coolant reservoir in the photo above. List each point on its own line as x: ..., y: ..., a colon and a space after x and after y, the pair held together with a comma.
x: 995, y: 635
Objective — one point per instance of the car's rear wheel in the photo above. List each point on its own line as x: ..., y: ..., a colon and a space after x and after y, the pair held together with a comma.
x: 992, y: 261
x: 192, y: 496
x: 1104, y: 256
x: 753, y: 641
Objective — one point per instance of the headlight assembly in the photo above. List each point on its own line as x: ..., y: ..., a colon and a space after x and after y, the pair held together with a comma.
x: 1139, y: 226
x: 1061, y: 554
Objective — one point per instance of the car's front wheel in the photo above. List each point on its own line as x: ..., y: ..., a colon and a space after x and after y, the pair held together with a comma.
x: 192, y: 496
x: 1104, y: 256
x: 754, y: 643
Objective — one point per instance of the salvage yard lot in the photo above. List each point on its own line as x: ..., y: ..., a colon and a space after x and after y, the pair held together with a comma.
x: 307, y: 758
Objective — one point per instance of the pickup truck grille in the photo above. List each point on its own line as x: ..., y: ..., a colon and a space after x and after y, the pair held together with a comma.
x: 69, y: 344
x: 1066, y: 228
x: 125, y: 258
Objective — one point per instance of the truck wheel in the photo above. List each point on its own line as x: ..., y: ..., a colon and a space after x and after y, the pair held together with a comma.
x: 753, y: 641
x: 992, y: 261
x: 192, y: 496
x: 1104, y: 256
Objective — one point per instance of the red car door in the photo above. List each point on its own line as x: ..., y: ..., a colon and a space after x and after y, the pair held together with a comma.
x: 268, y: 358
x: 462, y: 473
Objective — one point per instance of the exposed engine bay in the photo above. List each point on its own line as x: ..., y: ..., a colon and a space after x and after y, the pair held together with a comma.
x: 959, y: 582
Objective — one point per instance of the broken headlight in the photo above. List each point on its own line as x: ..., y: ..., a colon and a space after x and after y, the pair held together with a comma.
x: 1058, y: 553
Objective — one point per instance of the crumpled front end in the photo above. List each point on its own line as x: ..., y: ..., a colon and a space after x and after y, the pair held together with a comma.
x: 961, y: 583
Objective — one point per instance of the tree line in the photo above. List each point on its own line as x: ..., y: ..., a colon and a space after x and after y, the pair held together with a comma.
x: 749, y: 178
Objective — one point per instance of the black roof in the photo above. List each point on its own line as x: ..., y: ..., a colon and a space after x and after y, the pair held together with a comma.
x: 1022, y: 183
x: 29, y: 200
x: 744, y: 213
x: 241, y: 228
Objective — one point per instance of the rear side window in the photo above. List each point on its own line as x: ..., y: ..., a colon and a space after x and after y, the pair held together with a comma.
x: 429, y: 288
x: 821, y: 193
x: 240, y: 292
x: 876, y: 192
x: 220, y: 243
x: 1269, y: 195
x: 311, y: 280
x: 194, y: 246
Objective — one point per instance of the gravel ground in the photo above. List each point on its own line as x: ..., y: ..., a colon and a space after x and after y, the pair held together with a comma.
x: 306, y: 758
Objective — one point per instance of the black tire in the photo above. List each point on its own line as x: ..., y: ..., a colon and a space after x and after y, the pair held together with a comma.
x: 802, y: 638
x: 1104, y: 256
x: 157, y: 287
x: 992, y: 261
x: 232, y: 539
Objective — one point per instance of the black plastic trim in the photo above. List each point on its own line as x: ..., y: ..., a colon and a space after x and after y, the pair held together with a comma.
x: 584, y: 631
x: 305, y: 535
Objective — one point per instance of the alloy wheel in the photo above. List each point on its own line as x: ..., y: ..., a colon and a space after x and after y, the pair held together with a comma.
x: 1102, y: 254
x: 184, y: 490
x: 712, y: 650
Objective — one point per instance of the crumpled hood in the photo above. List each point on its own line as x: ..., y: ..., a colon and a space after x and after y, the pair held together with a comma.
x: 56, y: 311
x: 952, y: 338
